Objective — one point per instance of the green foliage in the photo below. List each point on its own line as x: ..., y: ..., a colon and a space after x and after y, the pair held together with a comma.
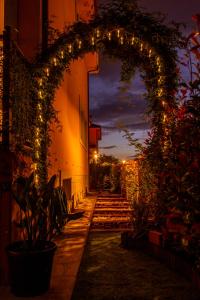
x: 43, y: 212
x: 149, y: 34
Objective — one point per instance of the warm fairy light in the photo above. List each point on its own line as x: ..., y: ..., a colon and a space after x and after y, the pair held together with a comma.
x: 55, y: 61
x: 37, y: 154
x: 150, y: 52
x: 37, y: 132
x: 39, y: 106
x: 163, y: 103
x: 70, y: 48
x: 47, y: 71
x: 159, y: 68
x: 118, y: 33
x: 37, y: 142
x: 40, y: 94
x: 109, y: 36
x: 121, y: 40
x: 36, y: 179
x: 40, y: 118
x: 141, y: 47
x: 92, y: 40
x: 160, y: 80
x: 79, y: 44
x: 40, y: 81
x: 132, y: 40
x: 160, y: 92
x: 62, y: 54
x: 98, y: 33
x: 164, y: 118
x: 123, y: 161
x: 158, y: 61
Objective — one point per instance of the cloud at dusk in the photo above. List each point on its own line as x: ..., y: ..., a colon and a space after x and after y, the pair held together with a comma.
x: 113, y: 109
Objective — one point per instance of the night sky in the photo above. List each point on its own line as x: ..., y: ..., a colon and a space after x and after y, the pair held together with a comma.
x: 110, y: 106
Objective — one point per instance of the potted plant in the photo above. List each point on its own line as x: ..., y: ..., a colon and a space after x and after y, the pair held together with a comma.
x: 42, y: 215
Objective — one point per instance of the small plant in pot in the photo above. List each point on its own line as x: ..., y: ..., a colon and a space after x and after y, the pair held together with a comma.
x: 42, y: 216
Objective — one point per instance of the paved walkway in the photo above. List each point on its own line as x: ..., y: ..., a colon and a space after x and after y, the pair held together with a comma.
x: 67, y: 259
x: 110, y: 272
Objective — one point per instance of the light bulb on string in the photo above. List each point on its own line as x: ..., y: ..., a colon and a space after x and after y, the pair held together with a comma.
x: 160, y: 92
x: 70, y: 48
x: 121, y: 40
x: 40, y: 94
x: 62, y: 54
x: 37, y: 155
x: 40, y: 118
x: 150, y: 52
x: 141, y: 47
x: 79, y: 44
x: 118, y: 33
x: 97, y: 33
x: 47, y: 72
x: 132, y: 40
x: 164, y: 118
x: 55, y: 61
x: 39, y: 106
x: 109, y: 36
x: 40, y: 81
x: 158, y: 61
x: 92, y: 41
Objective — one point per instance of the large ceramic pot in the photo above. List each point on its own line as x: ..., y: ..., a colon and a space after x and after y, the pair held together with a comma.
x: 30, y: 270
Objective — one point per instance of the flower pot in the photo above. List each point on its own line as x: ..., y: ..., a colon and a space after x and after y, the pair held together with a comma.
x: 30, y: 270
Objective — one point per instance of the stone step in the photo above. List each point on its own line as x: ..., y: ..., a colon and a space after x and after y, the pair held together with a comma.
x: 112, y: 199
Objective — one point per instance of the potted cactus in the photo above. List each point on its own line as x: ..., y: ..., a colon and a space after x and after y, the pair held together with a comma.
x: 42, y: 216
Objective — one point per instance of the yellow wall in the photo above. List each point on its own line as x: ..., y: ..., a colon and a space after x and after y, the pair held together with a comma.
x: 1, y: 16
x: 68, y: 152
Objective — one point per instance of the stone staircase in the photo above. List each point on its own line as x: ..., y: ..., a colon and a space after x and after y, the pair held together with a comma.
x: 111, y: 213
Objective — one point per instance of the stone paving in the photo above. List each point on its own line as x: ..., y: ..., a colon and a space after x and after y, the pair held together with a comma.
x: 67, y: 258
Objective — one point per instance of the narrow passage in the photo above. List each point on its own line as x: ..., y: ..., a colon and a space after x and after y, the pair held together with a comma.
x: 109, y: 272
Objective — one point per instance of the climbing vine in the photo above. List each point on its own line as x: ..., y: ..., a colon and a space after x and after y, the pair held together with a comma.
x: 119, y: 30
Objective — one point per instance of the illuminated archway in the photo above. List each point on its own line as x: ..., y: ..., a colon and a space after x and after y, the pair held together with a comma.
x: 136, y: 38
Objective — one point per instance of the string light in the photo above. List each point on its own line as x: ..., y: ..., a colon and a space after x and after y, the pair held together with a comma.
x: 55, y: 61
x: 98, y: 33
x: 150, y: 52
x: 40, y: 94
x: 40, y: 81
x: 158, y: 61
x: 132, y: 40
x: 92, y: 40
x: 70, y: 48
x: 39, y: 106
x: 160, y: 80
x: 47, y: 72
x: 164, y: 118
x: 36, y: 179
x: 62, y: 54
x: 118, y: 33
x: 37, y: 142
x: 37, y: 155
x: 159, y: 68
x: 141, y: 47
x: 160, y: 92
x: 79, y: 44
x: 121, y: 40
x: 40, y: 118
x: 109, y: 36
